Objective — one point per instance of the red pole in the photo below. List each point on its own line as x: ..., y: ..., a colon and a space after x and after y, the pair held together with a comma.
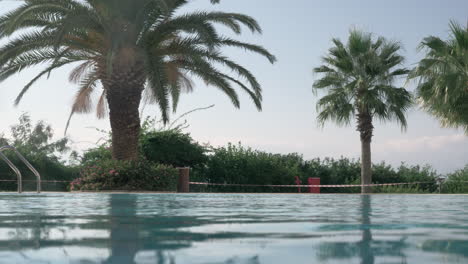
x: 314, y: 181
x: 298, y: 182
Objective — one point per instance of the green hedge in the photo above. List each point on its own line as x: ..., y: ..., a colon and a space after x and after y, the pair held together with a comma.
x: 332, y: 172
x: 236, y: 164
x: 172, y: 147
x: 35, y: 142
x: 456, y: 182
x: 49, y: 169
x: 114, y: 175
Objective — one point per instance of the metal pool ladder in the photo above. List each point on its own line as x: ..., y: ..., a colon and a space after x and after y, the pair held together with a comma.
x: 17, y: 171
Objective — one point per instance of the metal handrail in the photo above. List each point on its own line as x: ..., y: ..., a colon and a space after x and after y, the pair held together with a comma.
x: 17, y: 171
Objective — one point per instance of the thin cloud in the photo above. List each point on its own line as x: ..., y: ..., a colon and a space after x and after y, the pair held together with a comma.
x: 432, y: 143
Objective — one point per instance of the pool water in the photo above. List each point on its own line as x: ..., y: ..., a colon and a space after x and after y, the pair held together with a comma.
x: 233, y: 228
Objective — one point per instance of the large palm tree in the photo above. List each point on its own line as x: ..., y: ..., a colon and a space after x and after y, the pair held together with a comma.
x: 443, y: 77
x: 359, y: 79
x: 125, y: 47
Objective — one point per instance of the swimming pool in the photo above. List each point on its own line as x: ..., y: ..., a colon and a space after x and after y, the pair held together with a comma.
x: 233, y: 228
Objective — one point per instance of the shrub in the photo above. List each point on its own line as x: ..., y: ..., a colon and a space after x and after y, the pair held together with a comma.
x: 172, y: 147
x: 35, y: 143
x: 96, y: 155
x: 401, y: 189
x: 427, y: 177
x: 236, y: 164
x: 126, y: 175
x: 50, y: 170
x: 343, y: 171
x: 332, y: 171
x: 456, y: 182
x: 346, y: 171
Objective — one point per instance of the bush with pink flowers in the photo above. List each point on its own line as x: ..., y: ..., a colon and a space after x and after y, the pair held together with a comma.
x: 75, y: 185
x: 115, y: 175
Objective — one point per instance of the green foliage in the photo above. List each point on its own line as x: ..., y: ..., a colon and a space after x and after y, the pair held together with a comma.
x: 419, y: 174
x: 425, y: 176
x: 172, y: 147
x: 157, y: 146
x: 401, y: 189
x: 443, y: 77
x: 456, y: 182
x: 97, y: 154
x: 358, y: 77
x: 332, y: 171
x: 126, y: 175
x: 162, y: 145
x: 35, y: 143
x: 49, y: 169
x: 236, y: 164
x: 151, y: 37
x: 36, y: 140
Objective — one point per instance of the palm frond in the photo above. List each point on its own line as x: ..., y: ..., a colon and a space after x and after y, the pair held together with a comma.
x: 358, y: 77
x: 147, y: 44
x: 443, y: 77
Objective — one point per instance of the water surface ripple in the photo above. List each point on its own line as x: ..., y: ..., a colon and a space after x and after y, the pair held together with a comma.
x: 233, y: 228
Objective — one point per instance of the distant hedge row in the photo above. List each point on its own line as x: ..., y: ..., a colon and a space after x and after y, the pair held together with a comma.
x: 163, y: 151
x: 236, y: 164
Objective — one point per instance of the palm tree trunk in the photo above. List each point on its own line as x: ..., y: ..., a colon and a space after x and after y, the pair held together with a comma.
x: 124, y: 118
x: 124, y: 92
x: 366, y: 128
x: 366, y: 166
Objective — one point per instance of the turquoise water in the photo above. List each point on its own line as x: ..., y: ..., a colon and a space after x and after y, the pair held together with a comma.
x: 233, y: 228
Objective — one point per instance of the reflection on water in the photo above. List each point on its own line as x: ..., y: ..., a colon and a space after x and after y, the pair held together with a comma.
x: 366, y: 252
x: 124, y: 242
x: 366, y: 249
x: 232, y: 229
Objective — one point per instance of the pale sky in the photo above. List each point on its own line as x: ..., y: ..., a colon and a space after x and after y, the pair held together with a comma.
x: 298, y: 32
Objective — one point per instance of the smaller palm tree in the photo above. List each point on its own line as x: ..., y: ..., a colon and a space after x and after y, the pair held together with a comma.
x: 359, y: 79
x: 443, y: 77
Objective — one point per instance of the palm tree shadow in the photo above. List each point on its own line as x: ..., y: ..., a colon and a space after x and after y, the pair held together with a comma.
x: 365, y: 245
x: 131, y: 233
x: 367, y: 249
x: 124, y: 244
